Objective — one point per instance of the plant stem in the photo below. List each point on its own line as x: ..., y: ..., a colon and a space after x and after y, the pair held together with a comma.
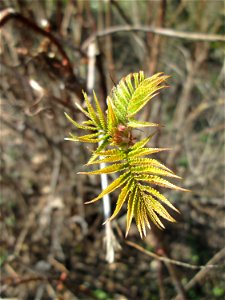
x: 109, y: 238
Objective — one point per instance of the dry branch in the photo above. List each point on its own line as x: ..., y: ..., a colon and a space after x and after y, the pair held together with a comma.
x: 9, y: 14
x: 194, y: 36
x: 172, y: 261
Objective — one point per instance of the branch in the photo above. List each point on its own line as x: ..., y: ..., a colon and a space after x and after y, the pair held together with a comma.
x: 195, y: 36
x: 203, y: 272
x: 171, y: 261
x: 9, y: 13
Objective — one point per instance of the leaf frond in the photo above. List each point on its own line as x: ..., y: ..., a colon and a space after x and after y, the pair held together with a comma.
x: 119, y: 149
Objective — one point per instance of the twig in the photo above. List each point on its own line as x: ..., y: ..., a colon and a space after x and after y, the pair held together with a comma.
x: 108, y: 49
x: 162, y: 293
x: 142, y: 50
x: 171, y: 268
x: 195, y: 36
x: 204, y: 270
x: 9, y: 13
x: 171, y: 261
x: 156, y: 42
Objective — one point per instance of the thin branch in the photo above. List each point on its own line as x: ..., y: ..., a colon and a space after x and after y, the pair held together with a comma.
x: 172, y: 261
x: 141, y: 50
x: 195, y: 36
x: 9, y: 14
x: 204, y: 271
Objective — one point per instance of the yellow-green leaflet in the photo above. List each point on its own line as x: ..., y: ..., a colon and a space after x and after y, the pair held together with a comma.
x: 122, y: 198
x: 110, y: 169
x: 113, y: 186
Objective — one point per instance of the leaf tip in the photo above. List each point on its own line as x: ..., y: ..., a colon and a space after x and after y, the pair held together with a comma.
x: 106, y: 221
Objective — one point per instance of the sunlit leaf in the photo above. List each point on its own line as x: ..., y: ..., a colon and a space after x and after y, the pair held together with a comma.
x: 122, y: 198
x: 137, y: 124
x: 107, y: 170
x: 91, y: 111
x: 151, y: 170
x: 132, y: 202
x: 149, y: 162
x: 145, y: 151
x: 111, y: 117
x: 158, y: 195
x: 108, y: 159
x: 101, y: 115
x: 159, y: 181
x: 79, y: 125
x: 113, y: 186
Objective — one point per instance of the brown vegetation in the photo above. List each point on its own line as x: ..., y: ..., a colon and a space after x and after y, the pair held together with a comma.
x: 52, y: 246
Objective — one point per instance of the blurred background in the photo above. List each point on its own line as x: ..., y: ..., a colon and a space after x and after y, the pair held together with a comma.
x: 52, y: 245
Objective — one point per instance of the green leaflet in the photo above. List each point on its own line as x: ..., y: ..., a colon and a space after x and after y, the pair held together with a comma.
x: 158, y: 195
x: 159, y: 181
x: 145, y: 151
x: 111, y: 117
x: 153, y: 216
x: 159, y: 209
x: 122, y: 198
x: 120, y: 101
x: 131, y: 207
x: 152, y: 170
x: 107, y: 170
x: 104, y: 143
x: 137, y: 124
x: 144, y: 93
x: 119, y: 148
x: 79, y: 125
x: 149, y: 162
x: 101, y: 115
x: 91, y: 111
x: 138, y: 216
x: 142, y: 143
x: 129, y: 84
x: 89, y: 138
x: 89, y: 122
x: 113, y: 186
x: 108, y: 159
x: 83, y: 111
x: 122, y: 94
x: 111, y: 152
